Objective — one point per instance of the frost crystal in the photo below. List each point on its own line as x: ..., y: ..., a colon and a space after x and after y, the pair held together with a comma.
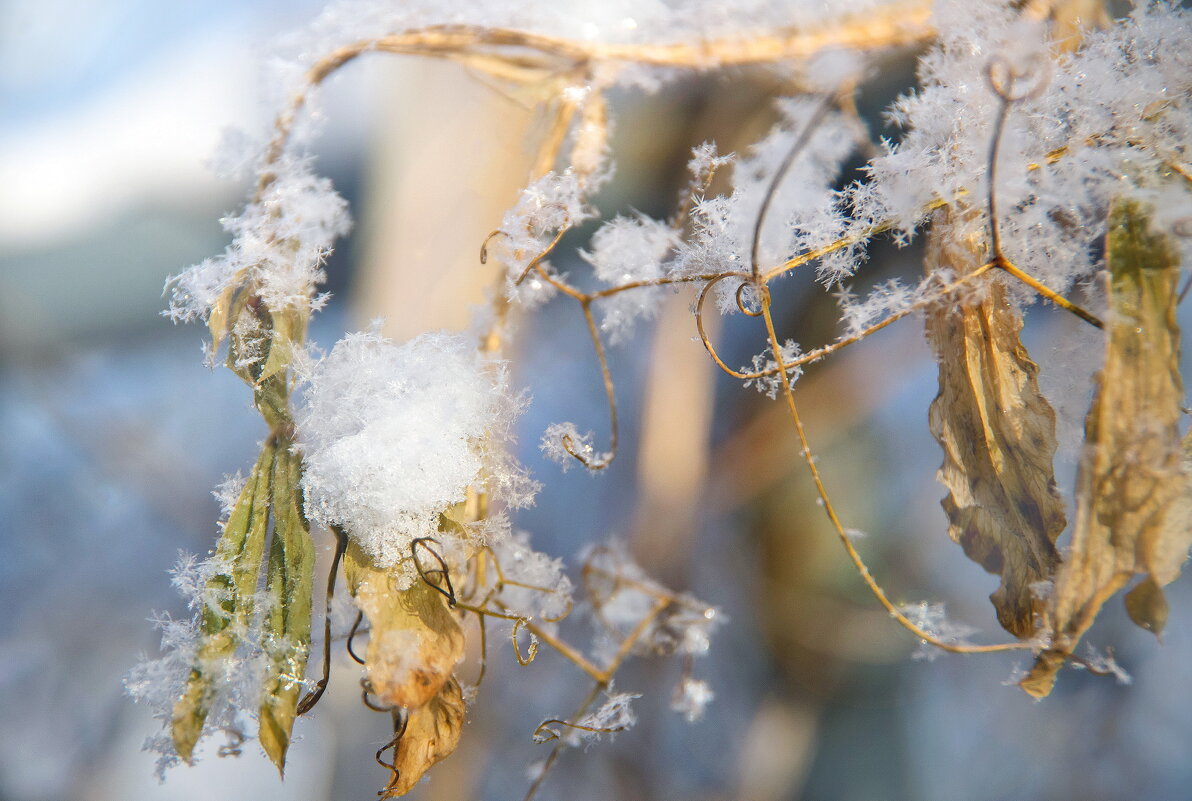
x: 1103, y: 664
x: 541, y: 590
x: 691, y: 698
x: 613, y: 716
x: 886, y: 299
x: 551, y: 204
x: 804, y: 213
x: 623, y: 595
x: 770, y: 383
x: 558, y: 437
x: 393, y: 435
x: 236, y: 677
x: 1103, y: 123
x: 629, y: 250
x: 228, y: 490
x: 705, y: 161
x: 932, y: 619
x: 279, y: 244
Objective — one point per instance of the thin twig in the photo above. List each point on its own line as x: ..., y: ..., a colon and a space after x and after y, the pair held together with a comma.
x: 842, y: 534
x: 796, y: 148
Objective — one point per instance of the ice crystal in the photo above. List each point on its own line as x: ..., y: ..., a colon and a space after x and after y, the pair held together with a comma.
x: 279, y: 243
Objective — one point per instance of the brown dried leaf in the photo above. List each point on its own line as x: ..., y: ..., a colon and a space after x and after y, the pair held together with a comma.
x: 998, y: 435
x: 414, y: 640
x: 432, y: 734
x: 1129, y: 514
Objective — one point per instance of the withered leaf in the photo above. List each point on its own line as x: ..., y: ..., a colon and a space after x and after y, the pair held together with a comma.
x: 998, y: 435
x: 1147, y: 606
x: 414, y: 643
x: 1131, y: 486
x: 1071, y: 20
x: 432, y: 733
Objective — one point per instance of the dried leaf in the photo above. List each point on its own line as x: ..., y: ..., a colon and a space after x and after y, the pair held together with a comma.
x: 1147, y: 606
x: 288, y: 619
x: 218, y: 321
x: 1070, y: 20
x: 286, y: 332
x: 414, y: 640
x: 432, y: 734
x: 998, y: 435
x: 241, y: 550
x: 1129, y: 514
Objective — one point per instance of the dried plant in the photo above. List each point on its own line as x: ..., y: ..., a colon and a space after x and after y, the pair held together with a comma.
x: 1046, y: 146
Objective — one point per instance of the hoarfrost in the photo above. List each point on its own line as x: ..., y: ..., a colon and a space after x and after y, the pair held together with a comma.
x: 768, y: 378
x: 629, y: 250
x: 932, y: 619
x: 560, y: 437
x: 691, y: 698
x: 279, y: 243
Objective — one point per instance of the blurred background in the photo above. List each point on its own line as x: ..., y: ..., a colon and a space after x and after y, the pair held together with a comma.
x: 114, y: 433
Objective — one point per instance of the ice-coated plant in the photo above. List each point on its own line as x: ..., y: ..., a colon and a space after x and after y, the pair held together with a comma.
x: 1046, y: 157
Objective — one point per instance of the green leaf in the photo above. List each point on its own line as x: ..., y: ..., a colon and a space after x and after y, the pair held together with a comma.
x: 287, y: 624
x: 228, y: 596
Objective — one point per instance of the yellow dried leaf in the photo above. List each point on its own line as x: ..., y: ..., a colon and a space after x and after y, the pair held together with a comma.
x: 414, y: 641
x: 287, y: 329
x: 219, y: 320
x: 1070, y: 20
x: 432, y: 733
x: 1129, y: 514
x: 998, y: 435
x: 1147, y: 606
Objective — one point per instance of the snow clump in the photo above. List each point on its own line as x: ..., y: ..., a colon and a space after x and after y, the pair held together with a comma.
x: 394, y: 435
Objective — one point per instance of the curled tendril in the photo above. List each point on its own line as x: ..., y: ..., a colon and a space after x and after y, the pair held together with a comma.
x: 352, y: 636
x: 366, y: 690
x: 487, y: 239
x: 442, y: 572
x: 537, y: 260
x: 311, y: 698
x: 562, y: 615
x: 503, y: 581
x: 1014, y: 83
x: 741, y: 304
x: 752, y: 307
x: 582, y: 454
x: 532, y: 651
x: 544, y: 733
x: 400, y: 721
